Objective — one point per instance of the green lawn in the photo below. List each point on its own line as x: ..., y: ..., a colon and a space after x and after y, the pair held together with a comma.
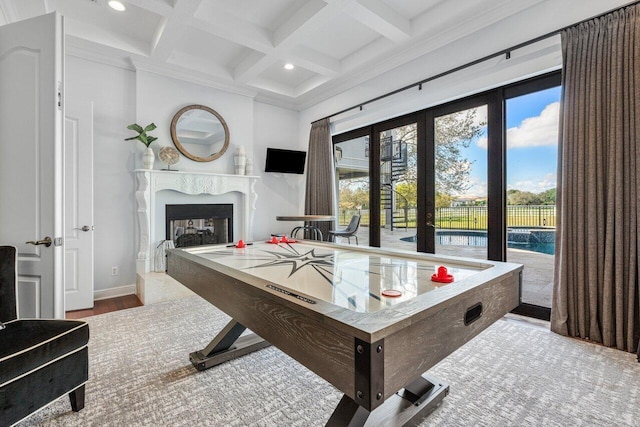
x: 471, y: 217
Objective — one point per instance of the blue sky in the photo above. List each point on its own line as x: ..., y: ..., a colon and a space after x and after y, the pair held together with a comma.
x: 532, y: 155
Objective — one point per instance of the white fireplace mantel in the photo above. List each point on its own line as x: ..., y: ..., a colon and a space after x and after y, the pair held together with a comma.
x: 193, y: 183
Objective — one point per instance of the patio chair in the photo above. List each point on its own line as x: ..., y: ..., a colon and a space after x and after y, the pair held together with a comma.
x: 348, y: 232
x: 40, y: 360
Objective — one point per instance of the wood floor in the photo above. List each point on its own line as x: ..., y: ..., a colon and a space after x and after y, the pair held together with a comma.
x: 106, y: 306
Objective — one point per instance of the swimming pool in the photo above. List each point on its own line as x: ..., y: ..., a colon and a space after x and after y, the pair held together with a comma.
x: 543, y: 248
x: 535, y: 240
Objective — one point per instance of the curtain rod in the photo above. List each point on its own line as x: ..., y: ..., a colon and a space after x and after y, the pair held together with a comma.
x: 506, y: 52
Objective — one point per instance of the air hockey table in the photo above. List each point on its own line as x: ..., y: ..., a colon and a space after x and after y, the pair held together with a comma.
x: 369, y: 321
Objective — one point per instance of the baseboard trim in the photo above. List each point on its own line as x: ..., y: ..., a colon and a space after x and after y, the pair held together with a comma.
x: 120, y: 291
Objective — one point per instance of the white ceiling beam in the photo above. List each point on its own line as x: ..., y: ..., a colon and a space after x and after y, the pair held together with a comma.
x: 314, y: 61
x: 367, y: 54
x: 302, y: 20
x: 198, y: 63
x: 271, y: 86
x: 252, y: 66
x: 240, y: 32
x: 312, y: 15
x: 159, y: 7
x: 256, y: 63
x: 190, y: 75
x: 435, y: 36
x: 168, y: 32
x: 381, y: 18
x: 310, y: 84
x: 157, y: 35
x: 165, y: 39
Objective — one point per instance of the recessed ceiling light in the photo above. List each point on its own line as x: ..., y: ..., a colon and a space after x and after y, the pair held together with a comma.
x: 288, y: 66
x: 116, y: 5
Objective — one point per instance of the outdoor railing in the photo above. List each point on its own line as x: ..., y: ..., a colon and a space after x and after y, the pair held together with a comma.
x: 465, y: 217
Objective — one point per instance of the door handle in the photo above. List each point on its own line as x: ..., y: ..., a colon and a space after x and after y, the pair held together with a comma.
x: 430, y: 224
x: 46, y: 241
x: 84, y: 228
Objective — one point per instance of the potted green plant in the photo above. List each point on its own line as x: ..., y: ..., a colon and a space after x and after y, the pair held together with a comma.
x: 148, y: 156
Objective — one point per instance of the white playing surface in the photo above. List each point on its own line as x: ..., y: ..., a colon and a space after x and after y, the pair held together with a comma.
x: 347, y: 278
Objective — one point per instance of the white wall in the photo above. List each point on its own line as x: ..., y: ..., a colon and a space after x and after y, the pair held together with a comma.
x: 534, y: 60
x: 543, y: 17
x: 122, y: 97
x: 112, y: 91
x: 253, y: 125
x: 159, y: 98
x: 278, y: 193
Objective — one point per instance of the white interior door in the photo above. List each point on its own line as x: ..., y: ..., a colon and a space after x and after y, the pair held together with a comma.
x: 78, y: 206
x: 31, y: 161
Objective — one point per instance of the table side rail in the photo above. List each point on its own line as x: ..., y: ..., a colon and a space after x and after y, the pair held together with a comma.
x: 325, y: 351
x: 413, y: 350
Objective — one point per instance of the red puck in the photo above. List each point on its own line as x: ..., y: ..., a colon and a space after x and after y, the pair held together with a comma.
x: 442, y: 276
x: 391, y: 293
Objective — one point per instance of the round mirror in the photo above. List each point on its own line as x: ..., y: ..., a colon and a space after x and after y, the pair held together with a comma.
x: 200, y: 133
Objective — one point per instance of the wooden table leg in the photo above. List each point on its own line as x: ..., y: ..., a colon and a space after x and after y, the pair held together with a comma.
x: 227, y: 345
x: 408, y: 407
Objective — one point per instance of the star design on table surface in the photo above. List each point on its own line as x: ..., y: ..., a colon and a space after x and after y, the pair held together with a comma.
x: 298, y: 261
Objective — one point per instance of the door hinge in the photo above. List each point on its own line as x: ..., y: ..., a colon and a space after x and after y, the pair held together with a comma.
x: 60, y: 96
x: 57, y: 241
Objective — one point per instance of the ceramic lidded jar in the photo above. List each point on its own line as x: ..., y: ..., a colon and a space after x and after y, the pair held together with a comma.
x: 240, y: 161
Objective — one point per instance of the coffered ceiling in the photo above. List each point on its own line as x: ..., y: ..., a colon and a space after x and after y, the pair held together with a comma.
x: 243, y: 45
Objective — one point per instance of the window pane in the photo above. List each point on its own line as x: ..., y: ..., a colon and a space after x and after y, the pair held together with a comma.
x: 461, y: 183
x: 352, y: 173
x: 532, y: 158
x: 398, y: 187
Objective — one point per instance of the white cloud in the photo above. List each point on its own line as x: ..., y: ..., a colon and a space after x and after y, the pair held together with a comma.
x: 477, y: 188
x: 535, y: 131
x: 537, y: 185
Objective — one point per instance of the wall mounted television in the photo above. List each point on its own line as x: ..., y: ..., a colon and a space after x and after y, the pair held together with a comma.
x: 285, y: 161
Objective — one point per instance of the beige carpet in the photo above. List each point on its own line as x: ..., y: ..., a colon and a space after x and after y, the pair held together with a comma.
x: 510, y: 375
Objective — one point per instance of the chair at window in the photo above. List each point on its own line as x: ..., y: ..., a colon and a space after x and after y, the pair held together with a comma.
x: 348, y: 232
x: 40, y: 360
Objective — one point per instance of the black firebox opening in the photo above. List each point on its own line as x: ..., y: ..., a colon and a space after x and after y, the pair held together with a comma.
x: 199, y: 224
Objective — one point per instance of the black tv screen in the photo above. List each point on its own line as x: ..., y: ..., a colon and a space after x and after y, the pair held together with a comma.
x: 285, y: 161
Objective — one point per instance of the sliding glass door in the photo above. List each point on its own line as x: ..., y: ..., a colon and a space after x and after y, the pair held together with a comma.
x: 351, y: 158
x: 397, y: 143
x: 532, y: 114
x: 460, y: 217
x: 456, y: 179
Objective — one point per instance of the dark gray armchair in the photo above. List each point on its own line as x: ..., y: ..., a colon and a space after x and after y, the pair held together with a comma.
x: 348, y: 232
x: 40, y: 360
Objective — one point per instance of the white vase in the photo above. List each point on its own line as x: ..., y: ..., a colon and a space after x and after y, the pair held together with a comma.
x: 248, y: 168
x: 148, y: 158
x: 240, y: 160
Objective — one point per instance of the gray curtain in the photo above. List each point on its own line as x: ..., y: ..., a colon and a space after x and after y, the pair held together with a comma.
x: 319, y: 195
x: 596, y: 269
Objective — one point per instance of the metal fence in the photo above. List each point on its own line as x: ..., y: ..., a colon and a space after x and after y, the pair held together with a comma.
x: 464, y: 217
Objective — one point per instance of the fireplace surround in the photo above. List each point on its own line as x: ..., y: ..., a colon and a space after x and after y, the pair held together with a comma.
x: 196, y: 186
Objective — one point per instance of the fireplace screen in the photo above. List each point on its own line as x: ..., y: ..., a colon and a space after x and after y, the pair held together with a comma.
x: 203, y: 224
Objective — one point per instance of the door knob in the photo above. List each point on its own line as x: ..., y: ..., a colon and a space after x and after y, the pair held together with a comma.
x: 46, y: 241
x: 84, y: 228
